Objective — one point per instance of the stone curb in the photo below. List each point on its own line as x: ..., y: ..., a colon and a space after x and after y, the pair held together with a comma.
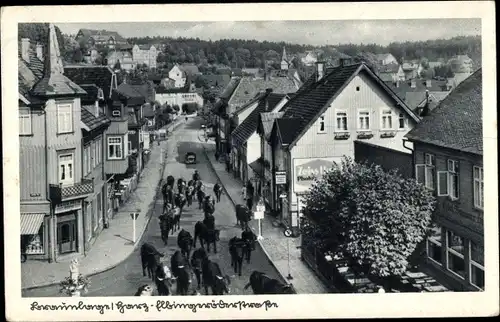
x: 149, y: 214
x: 234, y: 205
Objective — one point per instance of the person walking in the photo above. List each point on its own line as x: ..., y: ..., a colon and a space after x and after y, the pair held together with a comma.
x: 217, y: 191
x: 250, y: 192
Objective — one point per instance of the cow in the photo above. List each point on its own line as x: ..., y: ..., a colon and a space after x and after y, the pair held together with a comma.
x: 163, y: 280
x: 166, y: 225
x: 168, y: 196
x: 180, y: 185
x: 237, y: 251
x: 144, y: 290
x: 196, y: 176
x: 208, y: 206
x: 206, y: 236
x: 197, y: 260
x: 181, y: 272
x: 150, y: 259
x: 180, y: 201
x: 200, y: 195
x: 190, y: 191
x: 263, y: 284
x: 243, y: 215
x: 176, y: 222
x: 248, y: 236
x: 185, y: 242
x: 214, y: 278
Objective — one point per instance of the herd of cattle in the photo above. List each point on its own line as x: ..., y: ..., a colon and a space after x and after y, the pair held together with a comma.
x: 184, y: 263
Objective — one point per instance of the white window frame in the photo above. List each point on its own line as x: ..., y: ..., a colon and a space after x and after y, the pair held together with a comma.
x: 478, y: 186
x: 25, y: 124
x: 86, y: 160
x: 364, y: 114
x: 453, y: 171
x: 402, y: 117
x: 120, y: 144
x: 341, y: 115
x: 93, y: 154
x: 64, y: 118
x: 473, y: 263
x: 455, y: 253
x: 428, y: 167
x: 386, y: 114
x: 321, y: 124
x: 71, y: 179
x: 438, y: 243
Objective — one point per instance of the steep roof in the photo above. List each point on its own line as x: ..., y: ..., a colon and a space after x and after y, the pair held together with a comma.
x: 420, y: 86
x: 102, y: 76
x: 90, y: 120
x: 92, y: 93
x: 285, y: 129
x: 231, y: 86
x: 306, y: 106
x: 389, y: 68
x: 456, y: 123
x: 191, y: 69
x: 415, y: 99
x: 267, y: 122
x: 216, y: 80
x: 132, y: 96
x: 249, y: 87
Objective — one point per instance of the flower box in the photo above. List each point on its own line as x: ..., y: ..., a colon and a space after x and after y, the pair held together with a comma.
x: 342, y: 135
x: 365, y: 135
x: 387, y: 134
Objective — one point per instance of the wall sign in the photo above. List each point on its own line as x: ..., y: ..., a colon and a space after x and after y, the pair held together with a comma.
x: 280, y: 177
x: 306, y: 171
x: 68, y: 206
x: 131, y: 132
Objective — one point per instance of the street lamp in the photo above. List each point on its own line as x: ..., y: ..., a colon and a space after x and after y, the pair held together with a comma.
x: 289, y: 277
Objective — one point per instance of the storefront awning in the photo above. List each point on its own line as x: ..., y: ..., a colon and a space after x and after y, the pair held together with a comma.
x: 31, y: 223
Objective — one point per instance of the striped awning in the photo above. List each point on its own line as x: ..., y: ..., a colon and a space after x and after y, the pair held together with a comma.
x: 31, y: 223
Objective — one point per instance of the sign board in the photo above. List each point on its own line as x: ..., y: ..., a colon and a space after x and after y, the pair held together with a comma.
x: 134, y: 215
x: 306, y: 171
x: 280, y: 177
x: 260, y: 207
x: 258, y: 215
x: 131, y: 132
x: 68, y: 206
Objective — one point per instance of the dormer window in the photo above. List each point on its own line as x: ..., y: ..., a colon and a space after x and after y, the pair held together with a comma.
x: 322, y: 128
x: 100, y: 94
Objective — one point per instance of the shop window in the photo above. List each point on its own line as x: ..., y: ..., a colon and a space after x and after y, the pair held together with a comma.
x: 33, y: 244
x: 455, y: 249
x: 476, y: 265
x: 434, y: 245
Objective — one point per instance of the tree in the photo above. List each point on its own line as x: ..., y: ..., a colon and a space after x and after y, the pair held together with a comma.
x: 201, y: 82
x: 372, y: 218
x: 211, y: 58
x: 225, y: 60
x: 77, y: 56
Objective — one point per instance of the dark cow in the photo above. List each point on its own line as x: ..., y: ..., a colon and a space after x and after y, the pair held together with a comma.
x: 180, y: 201
x: 170, y: 181
x: 200, y: 195
x: 243, y: 215
x: 214, y: 278
x: 166, y: 225
x: 206, y: 236
x: 196, y: 176
x: 263, y: 284
x: 190, y: 192
x: 163, y: 280
x: 168, y: 196
x: 237, y: 251
x: 208, y: 206
x: 181, y: 272
x: 144, y: 290
x: 185, y: 242
x: 197, y: 259
x: 176, y: 215
x: 209, y: 221
x: 150, y: 259
x: 248, y: 236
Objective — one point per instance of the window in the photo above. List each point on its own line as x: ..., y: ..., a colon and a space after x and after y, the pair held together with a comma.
x: 476, y: 265
x: 64, y: 118
x: 98, y: 151
x: 341, y: 121
x: 33, y: 244
x: 129, y: 147
x: 453, y: 178
x: 364, y: 121
x: 24, y: 122
x: 93, y: 155
x: 402, y: 121
x: 478, y: 187
x: 425, y: 172
x: 386, y: 120
x: 66, y: 169
x: 434, y: 245
x: 455, y: 249
x: 86, y: 160
x: 322, y: 124
x: 115, y: 148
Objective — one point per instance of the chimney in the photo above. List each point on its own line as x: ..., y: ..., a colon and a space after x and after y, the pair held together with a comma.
x: 413, y: 83
x: 425, y: 109
x: 96, y: 108
x: 397, y: 83
x: 428, y: 83
x: 39, y: 52
x: 320, y: 70
x: 25, y: 49
x: 268, y: 91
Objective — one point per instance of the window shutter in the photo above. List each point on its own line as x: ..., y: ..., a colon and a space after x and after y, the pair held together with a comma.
x: 420, y: 173
x: 442, y: 183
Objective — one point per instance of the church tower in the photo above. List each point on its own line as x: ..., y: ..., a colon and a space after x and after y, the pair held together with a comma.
x: 284, y: 61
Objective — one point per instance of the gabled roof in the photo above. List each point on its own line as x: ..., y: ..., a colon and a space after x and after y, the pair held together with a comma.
x: 231, y: 86
x: 420, y: 86
x: 285, y: 129
x: 191, y: 69
x: 147, y: 110
x: 102, y: 76
x: 267, y: 122
x: 128, y: 92
x: 389, y: 68
x: 456, y: 123
x: 90, y: 120
x: 307, y: 105
x: 248, y: 87
x: 416, y: 99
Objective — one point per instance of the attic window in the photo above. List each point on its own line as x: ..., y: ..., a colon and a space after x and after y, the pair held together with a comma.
x: 357, y: 88
x: 321, y: 128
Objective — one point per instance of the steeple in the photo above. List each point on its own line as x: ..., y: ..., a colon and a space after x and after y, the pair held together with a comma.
x: 54, y: 82
x: 283, y: 58
x: 284, y: 61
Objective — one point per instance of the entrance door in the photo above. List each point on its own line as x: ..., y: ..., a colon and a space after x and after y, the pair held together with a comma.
x: 66, y: 236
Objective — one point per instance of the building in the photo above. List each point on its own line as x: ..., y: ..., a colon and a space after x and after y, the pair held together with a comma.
x: 309, y: 58
x: 123, y: 57
x: 190, y: 69
x: 173, y: 95
x: 62, y: 201
x: 391, y: 73
x: 178, y: 75
x: 417, y: 100
x: 411, y: 70
x: 145, y: 54
x: 448, y: 158
x: 332, y: 109
x: 386, y: 59
x: 285, y: 63
x: 214, y: 80
x: 461, y: 64
x: 88, y: 38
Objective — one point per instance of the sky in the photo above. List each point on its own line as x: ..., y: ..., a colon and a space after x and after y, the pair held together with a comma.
x: 331, y: 32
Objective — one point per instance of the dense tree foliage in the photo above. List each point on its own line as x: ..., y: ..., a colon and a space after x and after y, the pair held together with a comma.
x: 372, y: 218
x: 39, y: 33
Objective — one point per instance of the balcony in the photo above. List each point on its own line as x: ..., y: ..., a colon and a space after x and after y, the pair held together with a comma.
x: 59, y: 193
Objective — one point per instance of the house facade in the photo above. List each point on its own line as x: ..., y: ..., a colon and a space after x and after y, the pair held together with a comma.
x: 448, y: 158
x: 124, y: 57
x: 99, y: 38
x: 145, y: 54
x: 386, y: 59
x: 334, y: 108
x: 178, y: 75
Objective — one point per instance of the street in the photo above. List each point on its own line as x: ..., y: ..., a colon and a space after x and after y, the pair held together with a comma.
x: 124, y: 279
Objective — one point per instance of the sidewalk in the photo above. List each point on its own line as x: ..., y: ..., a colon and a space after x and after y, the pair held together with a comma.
x: 113, y: 245
x: 276, y: 246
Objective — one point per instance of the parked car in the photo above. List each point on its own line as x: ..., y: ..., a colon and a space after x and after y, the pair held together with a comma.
x: 190, y: 158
